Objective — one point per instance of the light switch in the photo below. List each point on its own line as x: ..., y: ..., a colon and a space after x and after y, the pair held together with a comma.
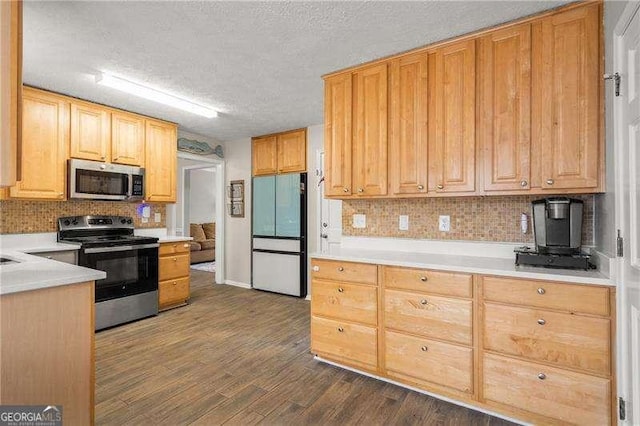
x: 359, y: 221
x: 403, y: 222
x: 444, y: 223
x: 157, y: 217
x: 145, y: 220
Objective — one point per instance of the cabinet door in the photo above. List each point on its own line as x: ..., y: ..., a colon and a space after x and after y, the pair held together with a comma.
x: 566, y: 108
x: 505, y: 98
x: 265, y: 158
x: 45, y: 144
x: 370, y: 131
x: 161, y: 161
x: 90, y: 132
x: 452, y: 112
x: 292, y: 151
x: 408, y: 125
x: 127, y: 139
x: 338, y: 97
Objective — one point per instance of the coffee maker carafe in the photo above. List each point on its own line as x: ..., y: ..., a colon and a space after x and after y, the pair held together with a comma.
x: 557, y: 225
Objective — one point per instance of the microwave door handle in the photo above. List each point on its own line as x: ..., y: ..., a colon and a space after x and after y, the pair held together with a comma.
x: 130, y: 186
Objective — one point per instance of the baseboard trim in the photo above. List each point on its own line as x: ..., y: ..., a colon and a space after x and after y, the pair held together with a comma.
x: 308, y: 297
x: 237, y: 284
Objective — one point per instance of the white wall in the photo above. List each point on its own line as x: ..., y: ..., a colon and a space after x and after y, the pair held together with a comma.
x: 315, y: 142
x: 202, y: 195
x: 238, y: 230
x: 605, y: 232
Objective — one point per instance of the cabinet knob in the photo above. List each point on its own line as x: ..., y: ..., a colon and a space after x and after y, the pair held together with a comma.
x: 424, y: 348
x: 340, y: 269
x: 115, y: 159
x: 550, y: 181
x: 423, y: 279
x: 340, y: 289
x: 523, y: 183
x: 542, y: 376
x: 440, y: 186
x: 60, y: 194
x: 423, y: 302
x: 361, y: 190
x: 175, y: 245
x: 316, y: 268
x: 345, y: 189
x: 186, y: 246
x: 102, y: 157
x: 340, y: 329
x: 175, y: 259
x: 541, y: 321
x: 420, y: 187
x: 541, y: 290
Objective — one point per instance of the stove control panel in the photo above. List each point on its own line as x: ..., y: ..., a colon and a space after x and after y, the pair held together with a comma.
x: 94, y: 222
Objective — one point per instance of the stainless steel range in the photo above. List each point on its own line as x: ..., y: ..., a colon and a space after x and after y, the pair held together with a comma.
x: 130, y: 290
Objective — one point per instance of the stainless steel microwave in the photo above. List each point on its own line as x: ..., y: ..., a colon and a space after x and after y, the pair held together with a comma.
x: 95, y: 180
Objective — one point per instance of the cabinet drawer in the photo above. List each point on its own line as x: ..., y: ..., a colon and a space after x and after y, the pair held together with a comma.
x: 564, y: 339
x: 174, y: 248
x: 173, y: 267
x: 350, y: 302
x: 353, y: 342
x: 173, y: 291
x: 344, y: 271
x: 428, y: 360
x: 564, y: 395
x: 430, y: 316
x: 543, y: 294
x: 445, y: 283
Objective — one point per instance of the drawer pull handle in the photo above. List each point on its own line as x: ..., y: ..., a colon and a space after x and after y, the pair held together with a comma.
x: 420, y: 187
x: 541, y: 321
x: 423, y: 279
x: 541, y: 290
x: 340, y: 329
x: 424, y: 348
x: 316, y: 268
x: 523, y: 183
x: 345, y: 189
x: 175, y: 245
x: 542, y: 376
x: 340, y: 289
x: 550, y: 182
x: 440, y: 186
x: 361, y: 190
x: 423, y: 302
x: 186, y: 246
x: 340, y: 269
x: 175, y: 259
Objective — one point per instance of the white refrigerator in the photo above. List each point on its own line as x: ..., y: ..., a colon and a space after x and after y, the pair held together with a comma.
x: 279, y: 229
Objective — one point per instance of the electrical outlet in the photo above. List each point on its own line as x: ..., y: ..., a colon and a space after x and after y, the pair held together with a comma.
x: 403, y: 222
x: 157, y: 217
x: 444, y: 223
x: 359, y: 221
x: 145, y: 219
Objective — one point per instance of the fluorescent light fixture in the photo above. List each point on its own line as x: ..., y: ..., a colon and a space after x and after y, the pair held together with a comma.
x: 145, y: 92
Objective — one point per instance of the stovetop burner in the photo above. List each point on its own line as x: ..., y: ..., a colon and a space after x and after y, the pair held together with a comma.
x: 100, y: 231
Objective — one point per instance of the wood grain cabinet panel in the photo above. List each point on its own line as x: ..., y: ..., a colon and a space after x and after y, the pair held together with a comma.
x: 566, y: 340
x: 45, y: 146
x: 174, y: 261
x: 265, y: 155
x: 292, y: 151
x: 173, y: 292
x: 345, y: 301
x: 566, y: 95
x: 171, y: 267
x: 336, y: 270
x: 425, y: 280
x: 162, y: 161
x: 127, y: 139
x: 90, y: 131
x: 355, y: 343
x: 505, y: 100
x: 430, y: 316
x: 370, y: 118
x: 408, y: 130
x: 452, y: 111
x: 428, y: 361
x: 179, y: 247
x: 565, y: 396
x: 338, y: 97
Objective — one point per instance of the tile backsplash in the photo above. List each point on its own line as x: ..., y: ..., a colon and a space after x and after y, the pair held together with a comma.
x: 22, y: 217
x: 472, y: 218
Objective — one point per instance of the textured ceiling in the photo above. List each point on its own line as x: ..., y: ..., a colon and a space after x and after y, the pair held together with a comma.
x: 258, y: 63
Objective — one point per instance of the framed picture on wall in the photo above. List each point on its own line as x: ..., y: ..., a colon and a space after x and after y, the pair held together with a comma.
x: 235, y: 192
x: 236, y: 209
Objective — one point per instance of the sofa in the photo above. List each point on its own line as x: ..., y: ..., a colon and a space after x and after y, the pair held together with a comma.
x: 203, y: 246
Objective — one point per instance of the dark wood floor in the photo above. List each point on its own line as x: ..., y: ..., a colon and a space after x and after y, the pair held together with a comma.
x: 241, y: 357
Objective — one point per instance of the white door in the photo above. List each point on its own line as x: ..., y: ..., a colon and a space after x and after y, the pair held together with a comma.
x: 627, y: 141
x: 330, y: 214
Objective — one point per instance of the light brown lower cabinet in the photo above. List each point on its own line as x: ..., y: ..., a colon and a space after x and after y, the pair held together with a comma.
x: 533, y: 350
x: 173, y: 274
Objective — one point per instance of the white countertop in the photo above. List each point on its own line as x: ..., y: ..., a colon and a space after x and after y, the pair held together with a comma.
x: 500, y: 266
x: 174, y: 238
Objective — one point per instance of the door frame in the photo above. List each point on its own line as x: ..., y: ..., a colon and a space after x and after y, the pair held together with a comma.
x: 623, y: 361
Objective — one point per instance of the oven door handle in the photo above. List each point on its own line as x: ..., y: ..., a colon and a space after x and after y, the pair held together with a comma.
x: 119, y: 248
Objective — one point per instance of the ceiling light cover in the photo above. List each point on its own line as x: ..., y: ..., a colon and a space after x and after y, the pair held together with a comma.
x: 145, y: 92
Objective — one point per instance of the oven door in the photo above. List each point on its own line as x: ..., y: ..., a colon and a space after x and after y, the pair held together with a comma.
x: 130, y: 269
x: 101, y: 181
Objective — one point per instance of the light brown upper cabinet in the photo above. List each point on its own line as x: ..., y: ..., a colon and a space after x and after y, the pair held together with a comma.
x: 10, y: 100
x: 284, y: 152
x: 504, y: 66
x: 127, y: 139
x: 370, y: 131
x: 452, y: 108
x: 338, y: 95
x: 408, y: 125
x: 45, y: 144
x: 566, y: 110
x: 90, y: 131
x: 162, y: 160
